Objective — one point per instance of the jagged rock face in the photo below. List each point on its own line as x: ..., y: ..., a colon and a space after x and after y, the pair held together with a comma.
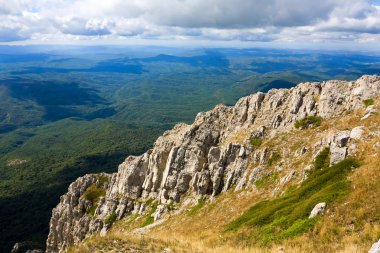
x: 202, y: 159
x: 69, y: 223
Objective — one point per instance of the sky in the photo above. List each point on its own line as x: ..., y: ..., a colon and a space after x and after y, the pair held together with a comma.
x: 349, y: 22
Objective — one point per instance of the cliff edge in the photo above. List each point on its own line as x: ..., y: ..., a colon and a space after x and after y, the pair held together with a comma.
x: 219, y: 152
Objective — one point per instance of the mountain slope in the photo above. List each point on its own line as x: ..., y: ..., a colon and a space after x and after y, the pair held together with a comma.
x: 249, y: 152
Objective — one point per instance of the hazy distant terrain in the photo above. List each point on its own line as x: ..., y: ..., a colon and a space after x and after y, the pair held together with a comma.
x: 68, y: 111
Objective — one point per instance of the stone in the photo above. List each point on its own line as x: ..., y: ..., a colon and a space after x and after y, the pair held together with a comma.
x: 303, y: 150
x: 317, y: 210
x: 337, y: 154
x: 160, y: 211
x: 288, y: 177
x: 375, y: 248
x: 370, y: 111
x: 357, y: 132
x: 342, y: 138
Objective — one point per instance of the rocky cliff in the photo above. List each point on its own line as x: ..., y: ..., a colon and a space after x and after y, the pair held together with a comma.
x: 202, y: 160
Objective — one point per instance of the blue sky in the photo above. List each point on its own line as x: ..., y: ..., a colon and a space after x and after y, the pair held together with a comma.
x: 349, y: 22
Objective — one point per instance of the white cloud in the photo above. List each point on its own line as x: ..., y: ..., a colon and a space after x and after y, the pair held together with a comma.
x: 243, y: 20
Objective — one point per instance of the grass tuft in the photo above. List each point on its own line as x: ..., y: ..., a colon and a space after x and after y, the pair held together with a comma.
x: 91, y: 210
x: 275, y: 157
x: 309, y: 121
x: 255, y: 142
x: 368, y: 102
x: 201, y: 203
x: 93, y: 193
x: 322, y: 160
x: 150, y: 219
x: 110, y: 219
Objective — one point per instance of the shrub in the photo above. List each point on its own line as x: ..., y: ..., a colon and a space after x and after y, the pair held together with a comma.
x: 287, y: 216
x: 110, y: 219
x: 368, y: 102
x: 308, y: 122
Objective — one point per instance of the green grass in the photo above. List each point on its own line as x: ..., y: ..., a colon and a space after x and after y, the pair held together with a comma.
x: 91, y: 210
x: 255, y: 142
x: 265, y: 181
x: 149, y: 218
x: 201, y: 203
x: 275, y: 157
x: 287, y: 216
x: 103, y: 180
x: 93, y: 193
x: 110, y: 219
x: 309, y: 121
x: 132, y: 217
x: 322, y: 160
x: 368, y: 102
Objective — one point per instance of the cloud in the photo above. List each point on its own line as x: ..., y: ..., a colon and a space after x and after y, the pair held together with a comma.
x: 91, y: 27
x: 224, y: 20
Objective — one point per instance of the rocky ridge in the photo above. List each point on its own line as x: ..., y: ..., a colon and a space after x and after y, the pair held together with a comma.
x: 209, y: 157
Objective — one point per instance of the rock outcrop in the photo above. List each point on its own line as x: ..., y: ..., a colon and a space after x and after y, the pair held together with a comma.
x: 317, y: 210
x: 205, y: 159
x: 375, y: 248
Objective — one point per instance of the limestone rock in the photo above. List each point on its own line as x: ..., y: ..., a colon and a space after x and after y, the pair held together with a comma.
x: 205, y: 159
x: 375, y: 248
x: 288, y: 177
x: 370, y: 110
x: 160, y: 211
x: 357, y: 132
x: 337, y: 154
x: 317, y: 210
x: 341, y: 138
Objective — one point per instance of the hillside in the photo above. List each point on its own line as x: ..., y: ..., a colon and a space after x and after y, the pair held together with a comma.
x: 245, y: 178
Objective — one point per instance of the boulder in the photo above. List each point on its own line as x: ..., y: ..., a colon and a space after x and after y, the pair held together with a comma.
x: 337, y: 154
x: 357, y: 132
x: 317, y: 210
x: 375, y: 248
x: 341, y: 138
